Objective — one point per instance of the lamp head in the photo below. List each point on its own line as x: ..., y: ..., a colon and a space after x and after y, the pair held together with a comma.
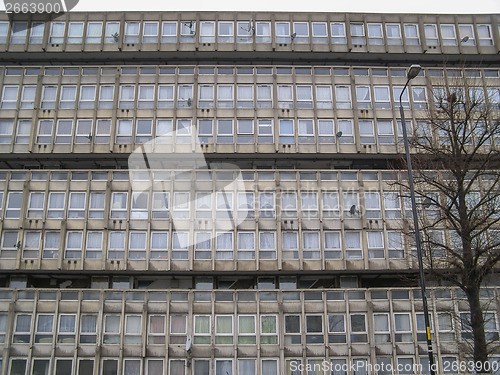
x: 413, y: 71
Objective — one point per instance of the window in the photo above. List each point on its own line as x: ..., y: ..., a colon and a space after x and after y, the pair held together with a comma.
x: 180, y: 245
x: 64, y: 131
x: 246, y: 205
x: 314, y: 329
x: 156, y: 330
x: 419, y: 97
x: 268, y: 329
x: 35, y: 205
x: 75, y: 33
x: 223, y: 330
x: 351, y: 205
x: 301, y: 32
x: 304, y: 97
x: 484, y: 35
x: 375, y: 35
x: 6, y: 128
x: 48, y: 97
x: 226, y: 32
x: 285, y: 96
x: 87, y: 97
x: 338, y: 33
x: 431, y: 35
x: 9, y: 97
x: 28, y: 97
x: 363, y: 97
x: 185, y: 96
x: 22, y: 329
x: 94, y: 245
x: 159, y: 245
x: 4, y: 28
x: 94, y: 33
x: 245, y: 31
x: 267, y: 205
x: 165, y: 96
x: 127, y: 96
x: 411, y: 34
x: 146, y: 96
x: 267, y: 245
x: 245, y: 96
x: 336, y: 329
x: 282, y: 30
x: 225, y: 96
x: 289, y: 205
x: 392, y: 205
x: 246, y: 245
x: 88, y: 329
x: 448, y: 35
x: 402, y: 327
x: 393, y: 32
x: 73, y: 245
x: 263, y: 32
x: 206, y: 97
x: 17, y: 366
x: 133, y: 325
x: 119, y: 205
x: 264, y: 96
x: 358, y: 33
x: 358, y: 328
x: 109, y: 367
x: 287, y: 132
x: 466, y: 35
x: 201, y: 330
x: 290, y: 245
x: 57, y: 32
x: 51, y: 245
x: 67, y: 97
x: 150, y: 32
x: 292, y: 330
x: 382, y: 98
x: 132, y: 32
x: 343, y: 97
x: 178, y: 329
x: 169, y: 32
x: 96, y: 205
x: 203, y: 245
x: 154, y: 367
x: 353, y: 245
x: 66, y: 331
x: 31, y: 246
x: 330, y: 204
x: 112, y: 32
x: 106, y: 94
x: 372, y: 205
x: 13, y: 206
x: 76, y: 205
x: 323, y: 97
x: 319, y: 32
x: 112, y: 326
x: 207, y: 32
x: 224, y: 246
x: 375, y: 242
x: 309, y: 204
x: 385, y: 132
x: 188, y: 31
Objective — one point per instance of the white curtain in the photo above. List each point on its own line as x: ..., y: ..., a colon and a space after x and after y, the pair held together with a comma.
x: 68, y: 93
x: 285, y: 93
x: 269, y: 367
x: 45, y: 323
x: 94, y: 29
x: 345, y: 126
x: 165, y: 92
x: 225, y: 92
x: 245, y: 92
x: 311, y: 240
x: 159, y: 240
x: 127, y: 93
x: 163, y: 128
x: 106, y: 93
x: 74, y: 240
x: 352, y: 240
x: 179, y: 240
x: 402, y: 322
x: 67, y: 323
x: 224, y: 367
x: 264, y: 92
x: 283, y: 29
x: 290, y: 240
x: 246, y: 367
x: 372, y: 201
x: 89, y: 323
x: 304, y: 93
x: 381, y: 322
x: 332, y: 240
x: 342, y: 93
x: 246, y: 241
x: 36, y: 200
x: 289, y: 201
x: 52, y: 240
x: 97, y: 200
x: 155, y: 367
x: 309, y: 201
x: 266, y: 241
x: 146, y: 92
x: 87, y: 93
x: 324, y: 93
x: 206, y: 92
x: 117, y: 240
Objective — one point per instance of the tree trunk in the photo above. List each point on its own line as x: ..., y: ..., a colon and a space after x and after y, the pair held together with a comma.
x: 477, y: 326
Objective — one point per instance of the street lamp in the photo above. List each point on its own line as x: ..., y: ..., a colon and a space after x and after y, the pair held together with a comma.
x: 412, y: 73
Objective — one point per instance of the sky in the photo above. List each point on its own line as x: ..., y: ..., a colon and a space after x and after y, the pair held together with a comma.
x: 371, y: 6
x: 365, y: 6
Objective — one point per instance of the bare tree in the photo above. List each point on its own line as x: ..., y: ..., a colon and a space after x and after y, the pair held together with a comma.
x: 456, y: 159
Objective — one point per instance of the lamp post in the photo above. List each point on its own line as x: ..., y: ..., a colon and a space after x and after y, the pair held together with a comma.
x: 412, y: 73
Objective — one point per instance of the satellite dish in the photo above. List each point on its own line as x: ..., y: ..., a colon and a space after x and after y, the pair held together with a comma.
x: 465, y: 39
x: 293, y: 35
x: 339, y: 134
x: 352, y: 210
x: 427, y: 202
x: 188, y: 343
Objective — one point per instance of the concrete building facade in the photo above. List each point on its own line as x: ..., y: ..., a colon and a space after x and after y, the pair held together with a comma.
x: 122, y: 254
